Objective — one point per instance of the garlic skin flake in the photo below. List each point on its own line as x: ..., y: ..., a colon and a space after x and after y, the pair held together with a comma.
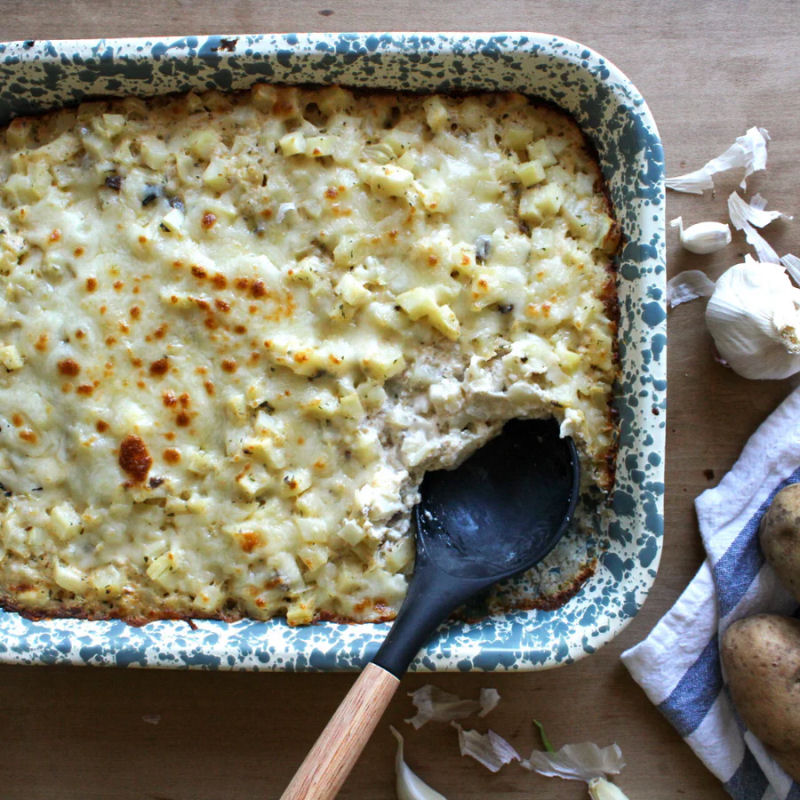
x: 489, y: 698
x: 748, y: 151
x: 792, y: 264
x: 688, y: 285
x: 745, y: 215
x: 409, y: 785
x: 754, y: 318
x: 435, y: 704
x: 703, y: 237
x: 489, y: 749
x: 577, y: 762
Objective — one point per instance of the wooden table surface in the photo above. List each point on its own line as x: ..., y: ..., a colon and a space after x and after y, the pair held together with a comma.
x: 708, y: 72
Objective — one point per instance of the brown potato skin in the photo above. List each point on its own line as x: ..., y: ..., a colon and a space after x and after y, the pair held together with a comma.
x: 779, y: 535
x: 761, y: 658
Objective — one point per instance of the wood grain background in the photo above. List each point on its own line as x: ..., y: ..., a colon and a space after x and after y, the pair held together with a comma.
x: 708, y: 72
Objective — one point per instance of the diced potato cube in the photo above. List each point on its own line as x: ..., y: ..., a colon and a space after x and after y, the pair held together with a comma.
x: 161, y: 567
x: 300, y: 613
x: 539, y: 151
x: 154, y: 152
x: 417, y: 302
x: 216, y: 176
x: 18, y: 132
x: 65, y: 522
x: 172, y: 221
x: 584, y: 185
x: 384, y: 363
x: 446, y: 396
x: 366, y: 446
x: 113, y: 124
x: 517, y: 136
x: 254, y: 482
x: 236, y: 406
x: 267, y: 451
x: 421, y: 302
x: 313, y: 556
x: 434, y: 194
x: 69, y: 578
x: 352, y: 291
x: 542, y: 241
x: 287, y: 569
x: 350, y: 407
x: 372, y: 394
x: 312, y: 530
x: 208, y: 599
x: 436, y: 114
x: 10, y: 357
x: 107, y: 580
x: 323, y: 406
x: 530, y: 173
x: 408, y: 160
x: 568, y: 359
x: 203, y: 143
x: 263, y: 96
x: 295, y: 482
x: 293, y: 144
x: 319, y: 146
x: 541, y: 202
x: 351, y: 532
x: 388, y: 179
x: 399, y: 556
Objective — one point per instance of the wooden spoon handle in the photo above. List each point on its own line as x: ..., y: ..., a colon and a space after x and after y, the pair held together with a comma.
x: 338, y: 747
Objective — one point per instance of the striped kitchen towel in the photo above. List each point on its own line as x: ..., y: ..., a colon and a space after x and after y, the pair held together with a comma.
x: 678, y: 664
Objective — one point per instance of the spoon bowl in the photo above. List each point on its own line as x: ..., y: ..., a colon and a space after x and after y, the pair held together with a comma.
x: 496, y: 515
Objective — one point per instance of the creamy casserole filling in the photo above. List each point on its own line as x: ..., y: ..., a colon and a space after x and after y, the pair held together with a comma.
x: 235, y: 330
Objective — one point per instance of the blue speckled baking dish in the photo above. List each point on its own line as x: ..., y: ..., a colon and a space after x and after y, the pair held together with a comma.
x: 35, y: 76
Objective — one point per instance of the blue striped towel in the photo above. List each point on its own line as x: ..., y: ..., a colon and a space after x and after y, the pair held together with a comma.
x: 678, y: 664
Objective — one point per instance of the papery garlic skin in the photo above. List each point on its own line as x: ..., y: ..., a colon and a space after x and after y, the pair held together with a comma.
x: 748, y: 151
x: 688, y: 285
x: 703, y: 237
x: 601, y: 789
x: 754, y: 318
x: 582, y: 761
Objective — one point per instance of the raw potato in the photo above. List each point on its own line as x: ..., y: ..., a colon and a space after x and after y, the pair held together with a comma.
x: 779, y: 535
x: 761, y: 657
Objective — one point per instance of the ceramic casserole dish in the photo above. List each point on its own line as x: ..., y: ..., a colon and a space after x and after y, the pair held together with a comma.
x: 621, y: 555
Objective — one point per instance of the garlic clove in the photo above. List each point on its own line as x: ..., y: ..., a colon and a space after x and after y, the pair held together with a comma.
x: 602, y: 789
x: 409, y: 785
x: 703, y: 237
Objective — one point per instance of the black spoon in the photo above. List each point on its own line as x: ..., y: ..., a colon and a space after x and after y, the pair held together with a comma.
x: 496, y: 515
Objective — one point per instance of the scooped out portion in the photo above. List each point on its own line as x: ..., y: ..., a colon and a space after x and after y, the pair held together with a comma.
x: 236, y: 330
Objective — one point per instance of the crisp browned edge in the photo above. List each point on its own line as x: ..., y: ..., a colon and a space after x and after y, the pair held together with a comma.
x: 610, y: 299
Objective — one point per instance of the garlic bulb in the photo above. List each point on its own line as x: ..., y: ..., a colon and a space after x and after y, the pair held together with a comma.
x: 703, y: 237
x: 754, y: 318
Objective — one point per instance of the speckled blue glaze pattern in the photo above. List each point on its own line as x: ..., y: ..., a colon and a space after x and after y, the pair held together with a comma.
x: 35, y: 76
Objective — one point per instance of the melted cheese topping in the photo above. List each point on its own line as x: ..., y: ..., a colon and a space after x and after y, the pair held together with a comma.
x: 236, y: 330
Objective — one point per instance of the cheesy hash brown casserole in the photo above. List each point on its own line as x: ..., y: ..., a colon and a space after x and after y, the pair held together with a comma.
x: 235, y: 330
